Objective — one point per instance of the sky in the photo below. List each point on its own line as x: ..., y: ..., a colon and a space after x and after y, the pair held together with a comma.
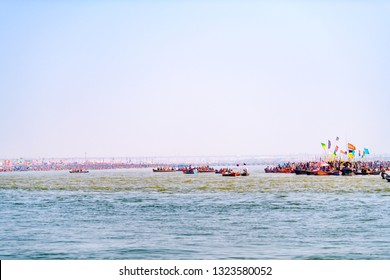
x: 192, y: 78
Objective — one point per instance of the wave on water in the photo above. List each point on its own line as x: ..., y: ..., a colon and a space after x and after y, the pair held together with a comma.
x: 180, y: 183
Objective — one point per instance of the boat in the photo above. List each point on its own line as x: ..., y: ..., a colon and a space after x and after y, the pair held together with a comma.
x: 322, y: 173
x: 245, y: 172
x: 336, y: 172
x: 367, y: 172
x: 190, y: 171
x: 271, y: 169
x: 278, y: 169
x: 385, y: 176
x: 231, y: 174
x: 78, y: 171
x: 159, y: 169
x: 322, y: 169
x: 286, y: 170
x: 300, y: 171
x: 346, y: 171
x: 220, y: 171
x: 206, y: 169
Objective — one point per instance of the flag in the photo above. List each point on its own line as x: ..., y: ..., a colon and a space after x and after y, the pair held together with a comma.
x: 336, y: 149
x: 323, y: 145
x: 366, y: 151
x: 359, y: 153
x: 337, y: 138
x: 351, y: 147
x: 329, y: 144
x: 351, y: 155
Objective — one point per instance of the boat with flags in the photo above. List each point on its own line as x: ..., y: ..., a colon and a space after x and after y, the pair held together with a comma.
x: 334, y: 161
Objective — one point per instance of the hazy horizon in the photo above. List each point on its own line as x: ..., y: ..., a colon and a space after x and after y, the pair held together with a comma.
x: 160, y: 79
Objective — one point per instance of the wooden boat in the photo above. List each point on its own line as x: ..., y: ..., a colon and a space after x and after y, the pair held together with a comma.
x: 346, y: 171
x: 164, y: 170
x: 206, y: 170
x: 278, y: 170
x: 336, y: 172
x: 190, y: 171
x: 286, y: 170
x: 245, y: 172
x: 231, y: 174
x: 300, y: 171
x: 385, y: 176
x: 367, y: 172
x: 322, y: 173
x: 78, y: 171
x: 220, y: 171
x: 271, y: 170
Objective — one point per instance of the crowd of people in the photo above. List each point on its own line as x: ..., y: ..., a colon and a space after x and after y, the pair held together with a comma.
x: 12, y: 166
x: 331, y: 165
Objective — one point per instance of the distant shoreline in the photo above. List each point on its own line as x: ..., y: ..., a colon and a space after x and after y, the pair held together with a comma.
x: 7, y: 165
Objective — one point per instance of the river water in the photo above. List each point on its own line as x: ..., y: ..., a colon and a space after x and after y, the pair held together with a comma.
x: 138, y: 214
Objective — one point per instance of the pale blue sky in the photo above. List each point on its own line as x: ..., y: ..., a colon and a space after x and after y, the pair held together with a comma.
x: 174, y: 78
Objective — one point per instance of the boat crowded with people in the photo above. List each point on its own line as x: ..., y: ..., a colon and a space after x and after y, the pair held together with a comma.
x: 331, y: 167
x: 190, y: 171
x: 164, y: 169
x: 231, y: 173
x: 206, y: 169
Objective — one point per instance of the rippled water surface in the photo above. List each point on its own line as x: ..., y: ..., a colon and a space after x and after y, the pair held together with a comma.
x: 138, y: 214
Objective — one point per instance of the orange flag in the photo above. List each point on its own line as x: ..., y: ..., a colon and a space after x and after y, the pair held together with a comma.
x: 351, y: 147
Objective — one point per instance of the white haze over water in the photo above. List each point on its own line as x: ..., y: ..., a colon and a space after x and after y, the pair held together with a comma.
x: 192, y: 78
